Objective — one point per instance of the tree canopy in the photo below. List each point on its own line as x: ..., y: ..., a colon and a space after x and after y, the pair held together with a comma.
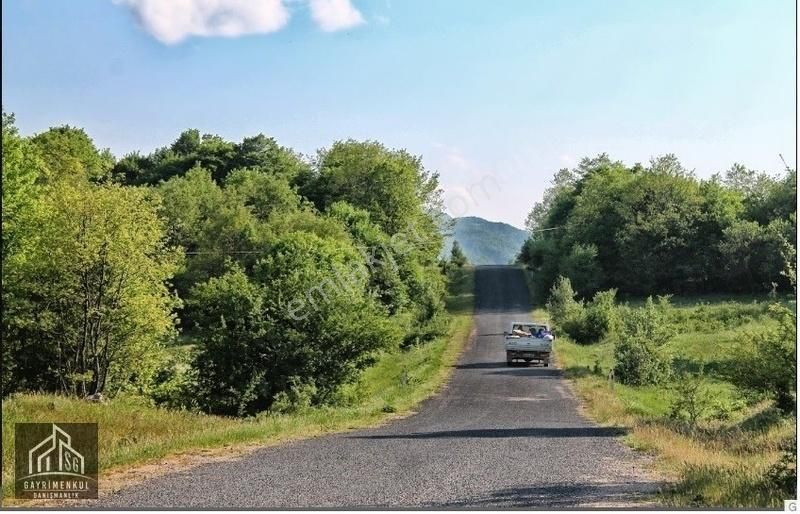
x: 281, y: 271
x: 659, y: 229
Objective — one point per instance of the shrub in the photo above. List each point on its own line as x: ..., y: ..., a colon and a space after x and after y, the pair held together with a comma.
x: 767, y: 362
x: 692, y: 401
x: 584, y: 324
x: 783, y: 474
x: 713, y: 318
x: 326, y: 326
x: 306, y: 318
x: 297, y: 398
x: 638, y: 363
x: 643, y: 332
x: 601, y: 317
x: 175, y: 385
x: 575, y: 326
x: 235, y: 340
x: 562, y: 305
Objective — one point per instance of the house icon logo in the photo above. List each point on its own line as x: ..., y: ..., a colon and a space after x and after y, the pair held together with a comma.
x: 55, y: 460
x: 55, y: 455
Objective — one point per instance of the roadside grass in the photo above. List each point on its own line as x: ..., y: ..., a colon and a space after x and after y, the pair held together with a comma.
x: 718, y: 462
x: 132, y: 432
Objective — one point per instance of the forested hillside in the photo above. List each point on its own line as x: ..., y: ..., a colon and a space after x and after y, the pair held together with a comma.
x: 483, y: 241
x: 277, y: 276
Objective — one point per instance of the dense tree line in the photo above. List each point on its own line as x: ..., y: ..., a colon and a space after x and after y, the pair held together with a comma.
x: 659, y: 229
x: 282, y: 271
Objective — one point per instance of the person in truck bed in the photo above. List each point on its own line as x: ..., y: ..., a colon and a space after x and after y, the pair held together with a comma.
x: 518, y: 331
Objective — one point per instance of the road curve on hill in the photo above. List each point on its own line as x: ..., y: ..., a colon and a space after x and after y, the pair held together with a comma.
x: 495, y: 437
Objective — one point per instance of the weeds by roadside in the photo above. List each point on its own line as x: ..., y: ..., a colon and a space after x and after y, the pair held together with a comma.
x: 723, y: 442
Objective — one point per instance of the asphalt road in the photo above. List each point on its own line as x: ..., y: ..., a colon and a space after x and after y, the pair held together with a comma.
x: 496, y: 437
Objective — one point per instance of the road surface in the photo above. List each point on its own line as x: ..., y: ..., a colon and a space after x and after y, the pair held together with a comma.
x: 495, y: 437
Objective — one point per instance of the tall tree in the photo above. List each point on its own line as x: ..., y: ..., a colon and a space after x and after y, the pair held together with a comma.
x: 23, y: 167
x: 22, y: 170
x: 457, y: 256
x: 69, y: 152
x: 212, y: 153
x: 391, y: 185
x: 97, y: 278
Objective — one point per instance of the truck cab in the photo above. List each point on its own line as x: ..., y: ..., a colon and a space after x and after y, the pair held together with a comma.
x: 529, y: 341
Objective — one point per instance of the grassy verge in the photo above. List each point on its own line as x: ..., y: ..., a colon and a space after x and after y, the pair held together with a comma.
x: 133, y: 432
x: 720, y: 462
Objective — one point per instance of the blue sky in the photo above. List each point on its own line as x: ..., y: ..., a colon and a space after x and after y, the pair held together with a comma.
x: 498, y: 93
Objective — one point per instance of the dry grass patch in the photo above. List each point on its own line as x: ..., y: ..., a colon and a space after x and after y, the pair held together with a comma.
x: 716, y: 463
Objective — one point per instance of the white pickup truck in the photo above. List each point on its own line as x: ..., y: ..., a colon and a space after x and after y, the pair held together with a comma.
x: 529, y: 342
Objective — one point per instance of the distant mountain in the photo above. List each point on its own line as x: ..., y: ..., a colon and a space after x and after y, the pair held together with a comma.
x: 483, y: 241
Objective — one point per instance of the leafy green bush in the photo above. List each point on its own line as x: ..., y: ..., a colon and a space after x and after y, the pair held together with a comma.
x: 637, y: 363
x: 566, y: 313
x: 767, y: 362
x: 298, y: 397
x: 783, y: 474
x: 175, y: 384
x: 639, y: 353
x: 562, y: 305
x: 575, y: 326
x: 694, y: 401
x: 304, y: 325
x: 235, y: 341
x: 585, y: 324
x: 601, y: 317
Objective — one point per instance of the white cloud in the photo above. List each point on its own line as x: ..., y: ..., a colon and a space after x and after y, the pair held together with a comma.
x: 172, y: 21
x: 450, y: 157
x: 332, y: 15
x: 566, y: 159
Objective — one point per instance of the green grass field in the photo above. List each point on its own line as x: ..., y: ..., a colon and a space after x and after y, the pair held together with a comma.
x: 721, y: 461
x: 133, y: 432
